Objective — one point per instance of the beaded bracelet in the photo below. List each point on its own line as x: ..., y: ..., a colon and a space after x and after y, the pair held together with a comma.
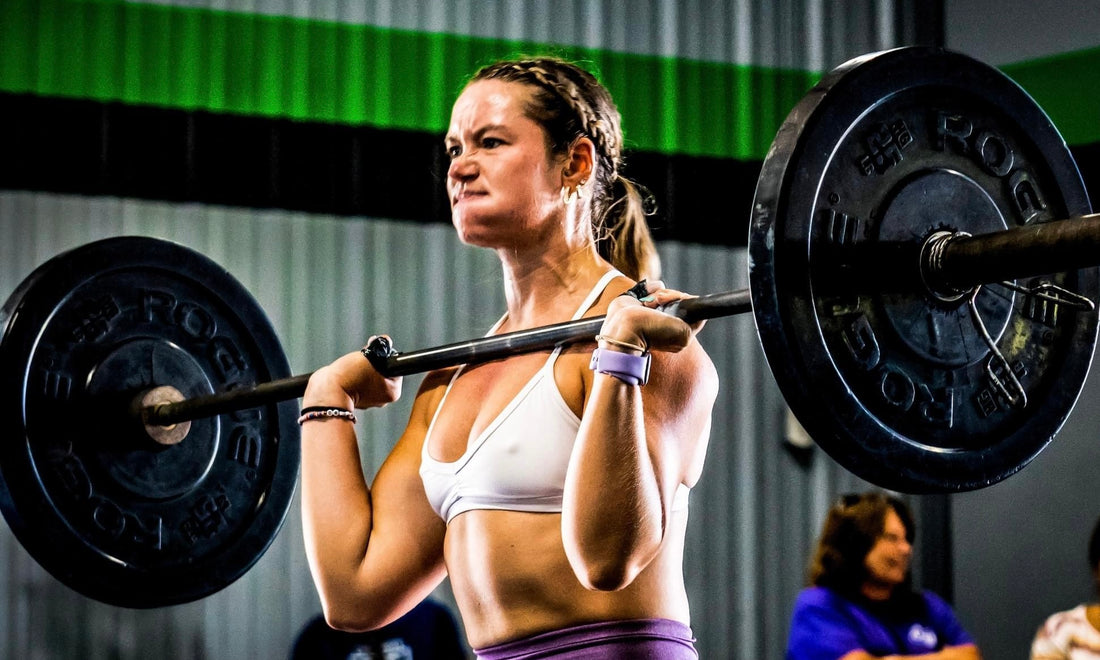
x: 321, y: 412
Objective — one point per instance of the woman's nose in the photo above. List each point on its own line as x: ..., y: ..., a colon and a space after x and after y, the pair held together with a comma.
x: 463, y: 167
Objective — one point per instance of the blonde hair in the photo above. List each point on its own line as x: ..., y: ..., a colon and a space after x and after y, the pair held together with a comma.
x: 569, y: 103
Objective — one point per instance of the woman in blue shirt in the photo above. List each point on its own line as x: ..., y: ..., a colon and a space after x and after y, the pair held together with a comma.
x: 861, y: 604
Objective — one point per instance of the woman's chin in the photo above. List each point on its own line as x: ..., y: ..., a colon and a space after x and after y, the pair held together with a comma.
x: 475, y: 233
x: 473, y: 238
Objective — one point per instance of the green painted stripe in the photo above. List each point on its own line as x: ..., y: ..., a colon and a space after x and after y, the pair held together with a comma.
x: 311, y: 70
x: 1067, y: 86
x: 277, y: 66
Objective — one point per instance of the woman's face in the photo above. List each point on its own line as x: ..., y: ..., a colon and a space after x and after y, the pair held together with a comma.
x: 887, y: 563
x: 502, y: 182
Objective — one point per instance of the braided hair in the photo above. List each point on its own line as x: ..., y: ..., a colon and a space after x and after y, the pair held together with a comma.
x: 569, y: 103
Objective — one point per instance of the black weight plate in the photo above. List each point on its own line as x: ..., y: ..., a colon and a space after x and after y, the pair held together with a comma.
x: 92, y: 498
x: 889, y: 379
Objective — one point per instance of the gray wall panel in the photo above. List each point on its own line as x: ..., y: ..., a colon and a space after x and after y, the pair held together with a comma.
x: 815, y: 34
x: 1015, y: 31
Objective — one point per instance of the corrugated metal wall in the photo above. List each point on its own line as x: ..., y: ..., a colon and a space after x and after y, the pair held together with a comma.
x: 327, y: 283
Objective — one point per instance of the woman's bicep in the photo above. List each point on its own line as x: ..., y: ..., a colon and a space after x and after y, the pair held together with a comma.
x: 678, y: 412
x: 407, y: 534
x: 403, y: 561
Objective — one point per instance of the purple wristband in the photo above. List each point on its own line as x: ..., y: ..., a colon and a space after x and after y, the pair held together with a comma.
x: 631, y: 369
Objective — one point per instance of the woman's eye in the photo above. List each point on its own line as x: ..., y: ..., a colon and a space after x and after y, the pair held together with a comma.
x: 491, y: 142
x: 453, y: 151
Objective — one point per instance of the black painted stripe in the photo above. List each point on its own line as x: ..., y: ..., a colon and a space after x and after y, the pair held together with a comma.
x: 114, y: 149
x: 1088, y: 161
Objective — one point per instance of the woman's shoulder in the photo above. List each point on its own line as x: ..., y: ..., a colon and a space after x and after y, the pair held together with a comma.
x: 815, y: 603
x: 613, y: 285
x: 429, y: 394
x: 1074, y: 616
x: 932, y: 599
x: 816, y: 595
x: 1064, y: 631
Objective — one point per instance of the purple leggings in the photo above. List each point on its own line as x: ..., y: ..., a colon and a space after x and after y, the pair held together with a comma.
x: 649, y: 639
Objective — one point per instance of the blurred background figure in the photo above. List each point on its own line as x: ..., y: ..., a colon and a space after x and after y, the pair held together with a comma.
x: 427, y: 632
x: 860, y: 603
x: 1073, y: 634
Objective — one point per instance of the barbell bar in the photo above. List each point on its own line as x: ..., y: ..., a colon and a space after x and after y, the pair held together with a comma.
x: 958, y: 263
x: 472, y: 351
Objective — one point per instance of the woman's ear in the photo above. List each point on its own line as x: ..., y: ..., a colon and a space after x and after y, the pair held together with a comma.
x: 579, y: 163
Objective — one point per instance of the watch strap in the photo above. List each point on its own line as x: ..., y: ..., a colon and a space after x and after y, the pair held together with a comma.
x: 631, y: 369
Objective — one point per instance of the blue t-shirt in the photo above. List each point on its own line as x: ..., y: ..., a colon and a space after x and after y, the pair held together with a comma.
x: 826, y: 626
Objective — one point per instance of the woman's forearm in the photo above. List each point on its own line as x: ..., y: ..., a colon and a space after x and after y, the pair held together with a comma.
x: 613, y: 519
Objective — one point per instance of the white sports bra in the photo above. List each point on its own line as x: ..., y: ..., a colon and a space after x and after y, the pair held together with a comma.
x: 518, y: 462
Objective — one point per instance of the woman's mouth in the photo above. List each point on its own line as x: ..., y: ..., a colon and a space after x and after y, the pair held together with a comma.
x: 466, y: 194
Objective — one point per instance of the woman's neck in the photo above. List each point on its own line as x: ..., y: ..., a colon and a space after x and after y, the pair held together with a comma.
x: 544, y: 288
x: 876, y: 591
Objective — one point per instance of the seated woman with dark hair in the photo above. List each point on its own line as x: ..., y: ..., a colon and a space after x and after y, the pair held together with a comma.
x: 861, y: 603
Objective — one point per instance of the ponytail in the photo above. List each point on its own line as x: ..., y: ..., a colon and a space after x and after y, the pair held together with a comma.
x: 622, y: 233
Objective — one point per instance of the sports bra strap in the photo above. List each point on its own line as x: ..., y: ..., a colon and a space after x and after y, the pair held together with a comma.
x: 595, y: 293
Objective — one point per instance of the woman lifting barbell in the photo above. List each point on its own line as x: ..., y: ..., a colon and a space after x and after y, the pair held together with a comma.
x: 551, y: 487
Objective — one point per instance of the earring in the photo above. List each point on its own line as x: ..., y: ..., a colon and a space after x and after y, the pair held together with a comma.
x: 568, y: 195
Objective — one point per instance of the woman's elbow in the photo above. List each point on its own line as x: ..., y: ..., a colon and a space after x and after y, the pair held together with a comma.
x: 337, y: 621
x: 606, y: 572
x: 340, y: 619
x: 342, y: 614
x: 605, y: 578
x: 603, y: 563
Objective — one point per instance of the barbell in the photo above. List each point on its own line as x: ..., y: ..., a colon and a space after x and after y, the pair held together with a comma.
x: 922, y: 271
